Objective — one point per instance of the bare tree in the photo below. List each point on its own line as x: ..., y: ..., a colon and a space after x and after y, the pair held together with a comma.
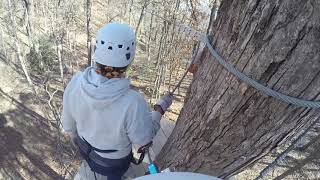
x: 145, y: 4
x: 16, y: 41
x: 88, y: 15
x: 28, y: 4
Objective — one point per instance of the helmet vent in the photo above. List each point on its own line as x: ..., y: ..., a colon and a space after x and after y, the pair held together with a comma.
x: 128, y: 48
x: 110, y: 47
x: 120, y: 45
x: 132, y: 43
x: 102, y: 42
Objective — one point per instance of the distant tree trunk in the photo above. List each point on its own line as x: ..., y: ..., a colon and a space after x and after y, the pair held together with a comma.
x: 3, y: 46
x: 214, y: 13
x: 225, y: 125
x: 29, y: 19
x: 193, y: 10
x: 149, y: 40
x: 16, y: 41
x: 88, y: 15
x: 59, y: 51
x: 130, y: 9
x: 46, y: 17
x: 141, y: 16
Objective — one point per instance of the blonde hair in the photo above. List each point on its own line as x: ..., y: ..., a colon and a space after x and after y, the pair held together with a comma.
x: 110, y: 72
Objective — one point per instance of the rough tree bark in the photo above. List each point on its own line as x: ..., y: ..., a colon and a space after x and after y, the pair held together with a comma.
x: 225, y: 125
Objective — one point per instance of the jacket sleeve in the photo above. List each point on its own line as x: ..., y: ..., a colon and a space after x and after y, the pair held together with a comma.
x: 143, y: 124
x: 68, y: 122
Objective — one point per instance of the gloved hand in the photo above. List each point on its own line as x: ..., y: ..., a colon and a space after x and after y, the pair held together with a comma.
x: 165, y: 102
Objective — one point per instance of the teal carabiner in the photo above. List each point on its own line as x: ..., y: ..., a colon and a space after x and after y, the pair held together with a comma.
x: 152, y: 167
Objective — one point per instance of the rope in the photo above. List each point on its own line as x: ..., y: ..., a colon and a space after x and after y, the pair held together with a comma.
x: 285, y: 153
x: 185, y: 73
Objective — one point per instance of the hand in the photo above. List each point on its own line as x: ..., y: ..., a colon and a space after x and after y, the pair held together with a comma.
x: 164, y: 102
x: 158, y: 108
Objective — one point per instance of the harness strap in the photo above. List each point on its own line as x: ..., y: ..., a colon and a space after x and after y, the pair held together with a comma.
x: 104, y: 166
x: 139, y: 161
x: 86, y: 148
x: 99, y: 150
x: 142, y: 150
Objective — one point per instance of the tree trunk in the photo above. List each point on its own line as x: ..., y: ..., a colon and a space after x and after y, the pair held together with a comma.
x: 29, y: 20
x: 3, y: 46
x: 88, y: 16
x: 226, y: 125
x: 16, y: 41
x: 130, y: 9
x: 149, y: 40
x: 59, y: 51
x: 141, y: 16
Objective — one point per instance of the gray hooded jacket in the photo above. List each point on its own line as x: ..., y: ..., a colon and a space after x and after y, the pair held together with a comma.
x: 107, y: 113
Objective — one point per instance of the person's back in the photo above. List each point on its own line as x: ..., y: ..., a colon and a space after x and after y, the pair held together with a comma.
x: 101, y: 110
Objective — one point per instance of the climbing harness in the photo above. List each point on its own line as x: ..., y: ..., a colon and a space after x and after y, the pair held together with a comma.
x: 106, y: 166
x: 100, y: 165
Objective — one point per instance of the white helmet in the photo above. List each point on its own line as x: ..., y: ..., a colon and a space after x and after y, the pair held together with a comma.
x: 115, y: 45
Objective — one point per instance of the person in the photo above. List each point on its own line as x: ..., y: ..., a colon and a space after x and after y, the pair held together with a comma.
x: 103, y: 114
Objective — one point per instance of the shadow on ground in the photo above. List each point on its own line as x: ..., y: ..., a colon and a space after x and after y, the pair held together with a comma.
x: 301, y: 163
x: 29, y: 146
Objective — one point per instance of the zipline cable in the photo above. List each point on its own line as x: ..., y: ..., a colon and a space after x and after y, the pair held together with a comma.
x: 258, y: 86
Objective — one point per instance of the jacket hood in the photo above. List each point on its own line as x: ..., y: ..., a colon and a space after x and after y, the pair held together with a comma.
x: 101, y: 91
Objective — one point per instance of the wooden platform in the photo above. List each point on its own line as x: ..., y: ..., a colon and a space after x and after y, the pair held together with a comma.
x: 158, y: 142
